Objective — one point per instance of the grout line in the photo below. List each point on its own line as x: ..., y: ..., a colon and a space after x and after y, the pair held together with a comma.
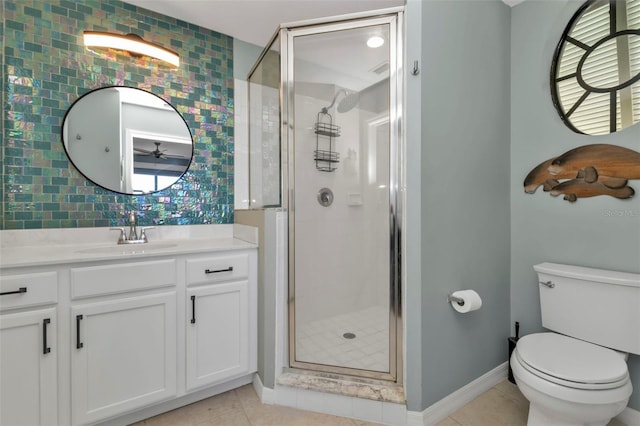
x: 455, y: 421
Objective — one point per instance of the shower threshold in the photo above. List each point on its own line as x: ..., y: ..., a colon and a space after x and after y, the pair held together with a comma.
x: 377, y: 390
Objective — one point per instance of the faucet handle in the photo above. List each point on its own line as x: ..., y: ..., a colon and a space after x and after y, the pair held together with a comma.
x: 143, y: 234
x: 123, y: 235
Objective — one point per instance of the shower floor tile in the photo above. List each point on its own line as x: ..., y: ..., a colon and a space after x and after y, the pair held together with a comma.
x: 323, y: 342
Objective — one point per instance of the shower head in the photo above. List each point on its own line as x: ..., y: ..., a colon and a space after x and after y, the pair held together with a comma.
x: 349, y: 101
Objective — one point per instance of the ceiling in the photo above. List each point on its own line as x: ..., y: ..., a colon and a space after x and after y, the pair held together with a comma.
x: 255, y: 21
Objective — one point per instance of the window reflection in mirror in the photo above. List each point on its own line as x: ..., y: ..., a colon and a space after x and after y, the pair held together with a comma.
x: 596, y: 68
x: 127, y: 140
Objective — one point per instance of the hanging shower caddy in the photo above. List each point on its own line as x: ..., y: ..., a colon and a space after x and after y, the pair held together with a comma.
x: 325, y: 155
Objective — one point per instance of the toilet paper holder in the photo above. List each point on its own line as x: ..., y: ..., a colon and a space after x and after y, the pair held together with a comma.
x: 452, y: 298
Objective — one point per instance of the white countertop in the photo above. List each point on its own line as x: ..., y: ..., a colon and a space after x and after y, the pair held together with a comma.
x: 30, y: 248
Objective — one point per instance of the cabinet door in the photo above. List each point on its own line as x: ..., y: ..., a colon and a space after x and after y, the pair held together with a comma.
x: 28, y: 368
x: 123, y: 355
x: 217, y: 333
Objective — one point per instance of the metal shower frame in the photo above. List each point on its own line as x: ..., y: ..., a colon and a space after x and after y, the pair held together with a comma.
x: 285, y: 35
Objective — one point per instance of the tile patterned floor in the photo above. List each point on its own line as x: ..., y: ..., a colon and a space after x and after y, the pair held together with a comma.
x: 322, y: 341
x: 502, y: 405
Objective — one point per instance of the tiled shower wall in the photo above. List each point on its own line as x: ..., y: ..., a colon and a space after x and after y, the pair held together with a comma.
x: 46, y: 68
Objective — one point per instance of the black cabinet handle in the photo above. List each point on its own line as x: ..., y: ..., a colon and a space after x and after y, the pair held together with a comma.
x: 193, y: 309
x: 45, y: 348
x: 215, y: 271
x: 18, y: 291
x: 79, y: 344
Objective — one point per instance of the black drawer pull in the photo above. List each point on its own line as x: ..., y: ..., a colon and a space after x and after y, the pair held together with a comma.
x: 45, y: 348
x: 215, y: 271
x: 18, y: 291
x: 193, y: 309
x: 79, y: 344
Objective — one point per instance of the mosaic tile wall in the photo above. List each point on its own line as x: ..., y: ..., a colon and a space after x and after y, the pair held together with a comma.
x: 46, y: 68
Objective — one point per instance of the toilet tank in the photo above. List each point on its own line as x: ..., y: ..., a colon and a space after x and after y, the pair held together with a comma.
x: 596, y: 305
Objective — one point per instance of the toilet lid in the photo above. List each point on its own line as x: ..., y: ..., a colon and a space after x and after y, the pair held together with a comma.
x: 573, y: 361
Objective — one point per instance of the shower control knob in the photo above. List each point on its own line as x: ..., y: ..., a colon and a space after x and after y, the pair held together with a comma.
x: 325, y: 197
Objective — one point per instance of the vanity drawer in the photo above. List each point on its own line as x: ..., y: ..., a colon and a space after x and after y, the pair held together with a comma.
x: 122, y: 278
x: 211, y: 269
x: 41, y: 289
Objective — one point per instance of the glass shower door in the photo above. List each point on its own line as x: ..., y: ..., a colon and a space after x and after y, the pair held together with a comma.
x: 342, y: 177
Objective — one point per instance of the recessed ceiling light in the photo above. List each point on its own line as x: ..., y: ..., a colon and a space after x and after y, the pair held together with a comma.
x: 375, y: 41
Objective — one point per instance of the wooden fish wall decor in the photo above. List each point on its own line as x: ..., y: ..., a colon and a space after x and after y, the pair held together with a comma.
x: 587, y: 171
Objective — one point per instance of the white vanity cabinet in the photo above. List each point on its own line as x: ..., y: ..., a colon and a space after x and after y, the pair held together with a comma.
x: 28, y: 349
x: 219, y: 322
x: 114, y: 335
x: 123, y: 338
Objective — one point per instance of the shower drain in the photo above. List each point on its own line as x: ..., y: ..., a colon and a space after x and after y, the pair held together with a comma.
x: 349, y: 336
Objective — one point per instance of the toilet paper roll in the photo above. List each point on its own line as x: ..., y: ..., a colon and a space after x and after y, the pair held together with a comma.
x: 472, y: 301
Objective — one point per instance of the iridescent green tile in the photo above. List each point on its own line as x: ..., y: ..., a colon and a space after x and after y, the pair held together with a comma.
x: 59, y: 10
x: 76, y: 15
x: 23, y: 215
x: 60, y: 215
x: 32, y: 12
x: 175, y: 206
x: 84, y: 8
x: 57, y: 78
x: 13, y: 25
x: 128, y: 7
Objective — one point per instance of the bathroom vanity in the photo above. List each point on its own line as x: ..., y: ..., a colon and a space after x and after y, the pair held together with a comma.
x: 94, y: 332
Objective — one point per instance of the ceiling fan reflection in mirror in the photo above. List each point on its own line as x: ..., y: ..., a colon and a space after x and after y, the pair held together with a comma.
x: 157, y: 153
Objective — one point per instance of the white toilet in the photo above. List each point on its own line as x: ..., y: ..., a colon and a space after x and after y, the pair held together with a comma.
x: 578, y: 375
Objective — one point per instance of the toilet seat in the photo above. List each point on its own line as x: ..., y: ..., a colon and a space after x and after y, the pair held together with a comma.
x: 571, y: 362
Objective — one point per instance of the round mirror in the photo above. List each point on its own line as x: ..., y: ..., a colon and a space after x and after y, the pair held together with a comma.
x: 127, y: 140
x: 595, y: 74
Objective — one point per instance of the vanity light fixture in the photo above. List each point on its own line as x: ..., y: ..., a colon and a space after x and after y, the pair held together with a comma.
x: 375, y: 41
x: 131, y: 43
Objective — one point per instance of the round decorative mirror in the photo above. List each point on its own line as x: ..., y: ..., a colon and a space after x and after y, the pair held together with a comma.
x: 127, y: 140
x: 595, y: 74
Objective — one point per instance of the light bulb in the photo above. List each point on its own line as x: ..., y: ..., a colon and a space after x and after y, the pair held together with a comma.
x: 375, y: 42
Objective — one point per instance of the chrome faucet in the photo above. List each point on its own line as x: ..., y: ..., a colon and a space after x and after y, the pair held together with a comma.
x: 133, y: 232
x: 132, y: 238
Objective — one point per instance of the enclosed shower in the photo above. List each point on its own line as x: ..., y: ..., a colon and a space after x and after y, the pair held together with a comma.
x: 325, y: 146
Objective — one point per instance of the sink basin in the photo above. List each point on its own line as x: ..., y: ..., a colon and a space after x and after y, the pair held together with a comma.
x: 126, y: 249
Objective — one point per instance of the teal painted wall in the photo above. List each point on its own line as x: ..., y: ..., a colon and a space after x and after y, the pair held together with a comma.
x: 46, y: 68
x: 464, y: 192
x: 413, y: 208
x: 600, y: 232
x: 245, y: 56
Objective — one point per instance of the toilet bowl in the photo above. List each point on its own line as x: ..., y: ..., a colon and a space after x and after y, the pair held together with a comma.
x: 576, y: 375
x: 569, y: 382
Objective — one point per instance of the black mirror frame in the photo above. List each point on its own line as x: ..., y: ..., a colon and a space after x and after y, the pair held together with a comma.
x: 554, y: 80
x: 62, y: 139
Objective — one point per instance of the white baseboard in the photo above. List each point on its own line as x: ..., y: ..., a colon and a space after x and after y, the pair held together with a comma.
x: 414, y: 418
x: 629, y: 417
x: 266, y: 395
x: 452, y: 402
x: 458, y: 399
